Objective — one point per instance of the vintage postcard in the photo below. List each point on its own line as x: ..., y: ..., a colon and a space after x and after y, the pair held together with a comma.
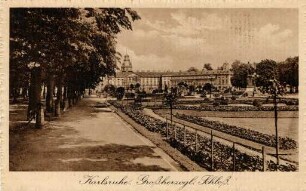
x: 163, y: 95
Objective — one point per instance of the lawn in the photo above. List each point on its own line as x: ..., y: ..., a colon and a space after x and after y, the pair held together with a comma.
x: 244, y: 114
x: 261, y: 121
x: 286, y: 126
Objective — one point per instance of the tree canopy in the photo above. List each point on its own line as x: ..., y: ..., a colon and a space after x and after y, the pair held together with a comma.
x: 266, y: 71
x: 289, y: 72
x: 67, y: 41
x: 192, y: 69
x: 73, y: 49
x: 240, y: 73
x: 207, y: 66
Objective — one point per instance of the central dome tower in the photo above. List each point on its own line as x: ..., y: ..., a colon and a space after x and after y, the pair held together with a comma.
x: 127, y: 64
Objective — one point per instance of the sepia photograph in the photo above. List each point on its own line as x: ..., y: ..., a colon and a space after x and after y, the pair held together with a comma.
x: 154, y: 89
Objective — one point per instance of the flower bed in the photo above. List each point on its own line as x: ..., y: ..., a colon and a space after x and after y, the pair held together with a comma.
x: 269, y: 140
x: 229, y: 108
x: 287, y: 101
x: 223, y: 155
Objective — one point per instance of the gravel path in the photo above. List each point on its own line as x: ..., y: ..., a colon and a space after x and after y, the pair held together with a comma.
x: 86, y: 140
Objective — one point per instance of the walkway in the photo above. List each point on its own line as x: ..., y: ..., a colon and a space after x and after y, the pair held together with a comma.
x: 85, y: 139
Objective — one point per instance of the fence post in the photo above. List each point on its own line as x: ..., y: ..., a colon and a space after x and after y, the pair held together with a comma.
x: 185, y: 135
x: 196, y: 141
x: 212, y: 150
x: 234, y: 157
x: 263, y: 159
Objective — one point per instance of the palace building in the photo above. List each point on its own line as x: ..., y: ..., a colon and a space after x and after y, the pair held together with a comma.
x: 151, y: 80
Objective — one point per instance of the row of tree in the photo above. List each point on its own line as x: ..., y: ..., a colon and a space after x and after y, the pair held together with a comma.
x: 286, y: 72
x: 71, y: 49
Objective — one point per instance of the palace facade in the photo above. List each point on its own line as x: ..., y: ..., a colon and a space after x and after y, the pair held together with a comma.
x: 150, y: 80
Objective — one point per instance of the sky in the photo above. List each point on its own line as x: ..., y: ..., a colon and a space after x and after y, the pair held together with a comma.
x: 177, y: 39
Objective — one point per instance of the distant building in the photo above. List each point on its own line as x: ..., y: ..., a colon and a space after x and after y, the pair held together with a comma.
x: 150, y: 80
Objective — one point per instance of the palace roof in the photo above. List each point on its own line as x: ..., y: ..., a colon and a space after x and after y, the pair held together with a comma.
x: 156, y: 74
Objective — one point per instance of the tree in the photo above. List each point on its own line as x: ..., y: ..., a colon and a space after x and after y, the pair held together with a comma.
x: 132, y: 86
x: 137, y: 85
x: 140, y: 96
x: 199, y: 89
x: 207, y: 86
x: 191, y: 89
x: 207, y: 66
x: 182, y: 84
x: 120, y: 93
x: 160, y: 83
x: 110, y: 89
x: 19, y: 79
x: 192, y: 69
x: 289, y: 72
x: 266, y: 70
x: 170, y: 99
x: 166, y: 88
x: 74, y: 48
x: 241, y: 71
x: 268, y: 80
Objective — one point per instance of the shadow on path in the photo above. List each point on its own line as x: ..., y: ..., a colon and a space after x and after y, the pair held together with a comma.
x: 57, y: 147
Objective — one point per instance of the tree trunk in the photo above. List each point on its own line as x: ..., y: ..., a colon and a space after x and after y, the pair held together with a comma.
x: 44, y: 91
x: 32, y: 101
x: 59, y: 97
x: 291, y: 89
x: 62, y: 104
x: 15, y: 95
x: 35, y: 105
x: 38, y: 84
x: 73, y: 96
x: 65, y: 98
x: 50, y: 93
x: 24, y: 92
x: 54, y: 93
x: 69, y: 95
x: 77, y: 96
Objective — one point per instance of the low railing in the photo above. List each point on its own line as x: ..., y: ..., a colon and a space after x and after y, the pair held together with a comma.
x: 212, y: 138
x: 177, y: 133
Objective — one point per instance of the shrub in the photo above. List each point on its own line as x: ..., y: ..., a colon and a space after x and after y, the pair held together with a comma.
x: 130, y: 95
x: 207, y: 100
x: 120, y: 93
x: 224, y: 102
x: 233, y: 98
x: 137, y: 104
x: 290, y: 102
x: 216, y: 104
x: 257, y: 103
